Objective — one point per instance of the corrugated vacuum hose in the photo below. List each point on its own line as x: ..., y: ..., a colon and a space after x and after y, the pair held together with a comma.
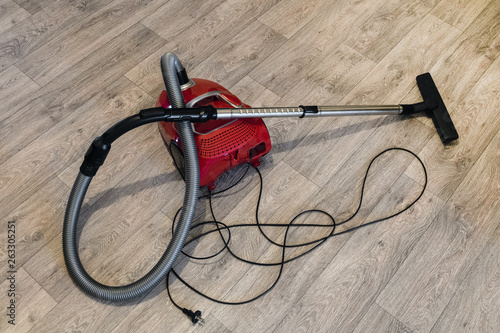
x: 171, y: 69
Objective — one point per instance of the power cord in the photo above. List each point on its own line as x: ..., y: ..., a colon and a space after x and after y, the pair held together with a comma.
x: 195, y: 317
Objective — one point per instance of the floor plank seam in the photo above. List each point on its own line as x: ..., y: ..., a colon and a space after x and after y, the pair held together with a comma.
x: 326, y: 266
x: 39, y: 86
x: 11, y: 212
x: 446, y: 203
x: 27, y: 9
x: 394, y: 271
x: 466, y: 274
x: 264, y: 85
x: 54, y: 35
x: 154, y: 33
x: 41, y: 286
x: 29, y: 77
x: 446, y: 200
x: 139, y: 88
x: 92, y: 95
x: 393, y: 317
x: 472, y: 20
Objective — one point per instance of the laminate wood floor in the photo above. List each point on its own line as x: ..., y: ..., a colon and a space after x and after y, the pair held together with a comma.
x: 71, y: 69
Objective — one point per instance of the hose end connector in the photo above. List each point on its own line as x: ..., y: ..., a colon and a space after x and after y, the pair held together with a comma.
x: 94, y: 157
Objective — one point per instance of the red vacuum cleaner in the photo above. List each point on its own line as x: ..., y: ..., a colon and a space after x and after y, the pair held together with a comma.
x: 222, y: 144
x: 208, y: 131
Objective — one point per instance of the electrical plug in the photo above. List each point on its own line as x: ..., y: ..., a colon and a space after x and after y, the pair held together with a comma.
x: 194, y: 316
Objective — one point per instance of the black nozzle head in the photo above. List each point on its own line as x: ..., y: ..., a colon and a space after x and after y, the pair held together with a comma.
x: 437, y: 111
x: 434, y: 108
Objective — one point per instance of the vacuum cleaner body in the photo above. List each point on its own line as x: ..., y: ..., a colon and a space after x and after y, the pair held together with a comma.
x: 222, y: 144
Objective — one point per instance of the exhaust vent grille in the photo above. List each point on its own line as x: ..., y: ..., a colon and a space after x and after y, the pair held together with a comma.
x: 226, y: 139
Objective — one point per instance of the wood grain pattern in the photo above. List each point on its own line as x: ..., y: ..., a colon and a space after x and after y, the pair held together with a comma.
x: 11, y: 14
x: 430, y: 269
x: 195, y: 43
x: 469, y: 57
x: 396, y: 73
x: 378, y: 35
x: 341, y: 194
x: 334, y: 77
x: 50, y: 152
x: 31, y: 298
x: 78, y: 312
x: 55, y: 101
x: 15, y: 87
x: 262, y: 314
x: 483, y: 291
x: 430, y: 3
x: 253, y: 93
x: 448, y: 249
x: 169, y: 319
x: 362, y: 269
x: 459, y: 13
x: 126, y: 156
x: 414, y: 55
x: 378, y: 320
x: 20, y: 40
x: 337, y: 74
x: 141, y: 254
x: 175, y: 16
x: 33, y: 32
x: 233, y: 61
x: 303, y: 51
x: 34, y: 6
x: 477, y: 124
x: 275, y: 208
x: 37, y: 220
x: 288, y: 17
x: 63, y: 52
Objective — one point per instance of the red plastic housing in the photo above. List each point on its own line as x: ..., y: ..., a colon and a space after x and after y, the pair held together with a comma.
x: 222, y: 144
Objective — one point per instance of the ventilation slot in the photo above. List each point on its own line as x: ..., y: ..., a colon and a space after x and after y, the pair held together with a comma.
x: 224, y: 141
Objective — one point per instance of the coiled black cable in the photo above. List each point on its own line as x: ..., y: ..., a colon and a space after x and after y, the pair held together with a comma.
x: 220, y: 227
